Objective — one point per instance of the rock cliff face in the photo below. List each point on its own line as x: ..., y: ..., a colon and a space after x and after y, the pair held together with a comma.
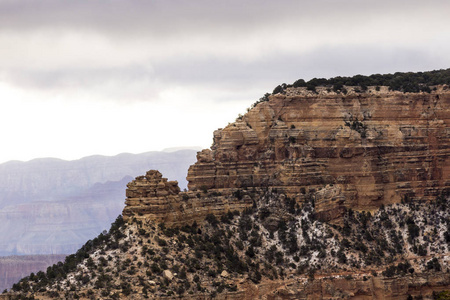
x: 341, y: 288
x: 155, y: 198
x: 358, y: 150
x: 152, y: 195
x: 359, y: 288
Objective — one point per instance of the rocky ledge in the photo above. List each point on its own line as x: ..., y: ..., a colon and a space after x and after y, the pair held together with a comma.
x: 358, y: 150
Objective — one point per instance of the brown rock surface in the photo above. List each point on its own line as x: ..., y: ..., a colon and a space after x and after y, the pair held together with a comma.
x: 155, y: 198
x: 349, y: 288
x: 153, y: 195
x: 326, y: 288
x: 367, y: 149
x: 361, y: 150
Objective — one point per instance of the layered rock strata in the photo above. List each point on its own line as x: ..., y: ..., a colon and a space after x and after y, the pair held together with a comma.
x: 358, y: 150
x: 420, y: 287
x: 155, y: 198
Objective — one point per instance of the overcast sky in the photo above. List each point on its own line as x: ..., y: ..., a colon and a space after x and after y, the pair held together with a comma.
x: 87, y: 77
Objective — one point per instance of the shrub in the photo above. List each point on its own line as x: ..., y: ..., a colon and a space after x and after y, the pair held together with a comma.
x: 211, y: 219
x: 277, y: 90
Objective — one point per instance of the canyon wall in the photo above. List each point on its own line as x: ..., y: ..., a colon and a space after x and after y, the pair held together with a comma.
x: 50, y: 206
x: 13, y: 268
x: 420, y: 287
x: 358, y: 150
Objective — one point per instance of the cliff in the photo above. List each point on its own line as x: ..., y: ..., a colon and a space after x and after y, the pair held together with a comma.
x: 310, y: 195
x: 358, y: 150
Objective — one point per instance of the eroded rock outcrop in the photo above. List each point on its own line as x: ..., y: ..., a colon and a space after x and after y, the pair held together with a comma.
x: 345, y: 287
x: 152, y: 195
x: 155, y: 198
x: 359, y: 151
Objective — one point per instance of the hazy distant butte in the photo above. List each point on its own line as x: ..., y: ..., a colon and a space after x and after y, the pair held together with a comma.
x: 50, y: 205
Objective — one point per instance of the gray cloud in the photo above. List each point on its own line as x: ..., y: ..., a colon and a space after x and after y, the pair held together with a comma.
x: 132, y: 14
x: 134, y: 49
x: 133, y: 71
x: 228, y: 76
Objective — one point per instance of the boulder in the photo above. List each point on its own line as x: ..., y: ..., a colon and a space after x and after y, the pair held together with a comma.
x: 168, y: 275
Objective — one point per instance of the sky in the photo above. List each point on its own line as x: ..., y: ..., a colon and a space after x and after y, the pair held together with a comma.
x: 86, y: 77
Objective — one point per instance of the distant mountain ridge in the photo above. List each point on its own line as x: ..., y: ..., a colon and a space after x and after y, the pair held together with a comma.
x: 23, y: 181
x: 12, y: 268
x: 51, y: 206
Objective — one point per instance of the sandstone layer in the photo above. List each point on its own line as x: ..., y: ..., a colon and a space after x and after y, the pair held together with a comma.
x: 359, y: 151
x: 155, y: 198
x: 376, y: 288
